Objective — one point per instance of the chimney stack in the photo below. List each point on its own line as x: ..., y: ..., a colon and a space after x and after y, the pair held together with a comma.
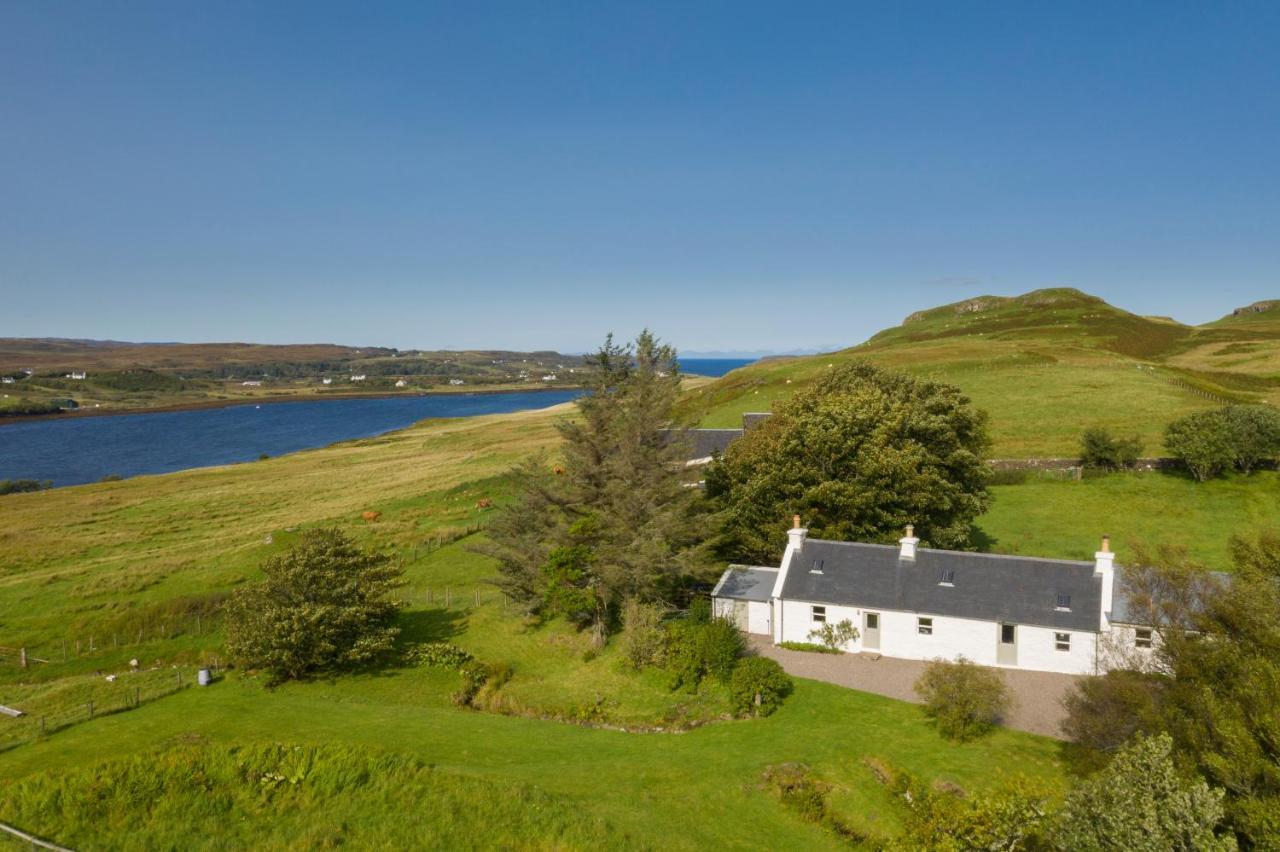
x: 1104, y: 567
x: 908, y: 542
x: 796, y: 535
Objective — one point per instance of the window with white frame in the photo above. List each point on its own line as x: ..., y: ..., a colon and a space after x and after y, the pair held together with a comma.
x: 819, y: 614
x: 924, y: 626
x: 1062, y: 641
x: 1142, y: 637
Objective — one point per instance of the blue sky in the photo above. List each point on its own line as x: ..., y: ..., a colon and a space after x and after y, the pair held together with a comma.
x: 733, y: 175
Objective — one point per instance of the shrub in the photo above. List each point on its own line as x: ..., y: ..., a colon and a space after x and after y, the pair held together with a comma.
x: 700, y: 609
x: 439, y: 654
x: 1105, y: 711
x: 758, y: 686
x: 944, y: 817
x: 324, y: 604
x: 699, y: 650
x: 1201, y: 441
x: 835, y: 636
x: 812, y: 647
x: 643, y: 639
x: 20, y: 486
x: 1140, y: 802
x: 794, y: 785
x: 478, y: 677
x: 1254, y: 434
x: 1099, y: 448
x: 964, y: 699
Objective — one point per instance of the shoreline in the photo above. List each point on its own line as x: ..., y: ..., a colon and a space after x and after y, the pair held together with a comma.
x: 203, y: 405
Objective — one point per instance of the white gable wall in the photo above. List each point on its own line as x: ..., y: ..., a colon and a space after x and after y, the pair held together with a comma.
x: 951, y: 638
x: 749, y: 616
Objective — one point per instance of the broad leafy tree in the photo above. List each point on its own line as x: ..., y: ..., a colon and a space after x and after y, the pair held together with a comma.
x: 1216, y: 683
x: 1141, y: 803
x: 615, y: 519
x: 1202, y: 442
x: 1254, y: 433
x: 324, y: 604
x: 858, y: 456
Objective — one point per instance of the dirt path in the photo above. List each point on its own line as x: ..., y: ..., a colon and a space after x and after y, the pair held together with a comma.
x: 1038, y: 695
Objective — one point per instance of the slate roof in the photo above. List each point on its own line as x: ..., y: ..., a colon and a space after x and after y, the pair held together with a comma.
x: 746, y: 583
x: 989, y: 587
x: 1123, y: 610
x: 704, y: 442
x: 754, y: 418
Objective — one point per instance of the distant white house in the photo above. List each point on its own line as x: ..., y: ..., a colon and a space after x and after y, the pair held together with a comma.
x: 549, y: 377
x: 77, y: 375
x: 358, y: 378
x: 456, y: 382
x: 252, y: 383
x: 326, y: 381
x: 1051, y: 615
x: 401, y: 383
x: 8, y: 380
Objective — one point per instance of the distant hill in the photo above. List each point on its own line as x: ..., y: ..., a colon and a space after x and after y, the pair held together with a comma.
x: 1045, y: 365
x: 149, y: 375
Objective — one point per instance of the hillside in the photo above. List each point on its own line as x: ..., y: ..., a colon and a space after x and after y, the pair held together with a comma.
x: 1045, y: 365
x: 93, y: 576
x: 120, y: 375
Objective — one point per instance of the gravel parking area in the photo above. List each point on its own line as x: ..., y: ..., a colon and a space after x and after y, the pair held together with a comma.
x: 1038, y: 695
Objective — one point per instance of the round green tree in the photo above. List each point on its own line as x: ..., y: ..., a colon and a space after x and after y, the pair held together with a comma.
x: 324, y: 604
x: 859, y: 455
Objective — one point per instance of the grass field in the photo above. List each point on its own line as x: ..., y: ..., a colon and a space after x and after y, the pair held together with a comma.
x: 95, y: 563
x: 1067, y: 518
x: 79, y: 561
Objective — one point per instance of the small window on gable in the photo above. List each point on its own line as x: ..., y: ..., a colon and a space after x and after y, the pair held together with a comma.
x: 1064, y: 602
x: 1062, y: 641
x: 819, y: 614
x: 924, y: 626
x: 1142, y: 637
x: 816, y: 568
x: 947, y: 577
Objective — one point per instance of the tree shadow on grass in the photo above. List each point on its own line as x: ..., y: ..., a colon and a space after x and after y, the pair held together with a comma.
x: 431, y: 625
x: 983, y: 541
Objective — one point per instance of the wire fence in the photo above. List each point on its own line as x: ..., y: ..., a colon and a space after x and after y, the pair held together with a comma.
x: 48, y: 708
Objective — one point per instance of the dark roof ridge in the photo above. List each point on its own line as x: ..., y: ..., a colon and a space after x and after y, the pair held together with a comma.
x: 958, y: 552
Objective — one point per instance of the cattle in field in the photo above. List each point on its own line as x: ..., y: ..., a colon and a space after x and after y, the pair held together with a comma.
x: 371, y: 515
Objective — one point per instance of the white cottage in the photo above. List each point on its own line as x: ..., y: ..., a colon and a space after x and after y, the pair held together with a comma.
x: 1051, y: 615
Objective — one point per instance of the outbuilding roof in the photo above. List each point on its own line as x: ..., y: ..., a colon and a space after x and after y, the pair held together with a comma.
x: 703, y: 443
x: 746, y: 583
x: 989, y: 587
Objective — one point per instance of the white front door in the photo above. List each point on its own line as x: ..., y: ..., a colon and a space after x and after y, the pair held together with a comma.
x: 1007, y: 646
x: 871, y: 631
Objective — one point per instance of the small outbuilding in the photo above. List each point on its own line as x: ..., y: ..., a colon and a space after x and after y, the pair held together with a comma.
x: 744, y: 595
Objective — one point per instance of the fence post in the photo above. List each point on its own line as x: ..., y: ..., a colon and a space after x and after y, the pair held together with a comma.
x: 22, y: 657
x: 90, y: 709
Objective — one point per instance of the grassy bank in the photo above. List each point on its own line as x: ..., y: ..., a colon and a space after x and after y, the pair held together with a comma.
x: 1067, y: 518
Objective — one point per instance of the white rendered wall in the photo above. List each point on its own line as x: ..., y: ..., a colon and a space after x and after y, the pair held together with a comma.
x: 749, y: 616
x: 758, y: 617
x: 951, y: 638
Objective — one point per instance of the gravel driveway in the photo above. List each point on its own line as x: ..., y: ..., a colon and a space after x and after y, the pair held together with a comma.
x: 1038, y: 695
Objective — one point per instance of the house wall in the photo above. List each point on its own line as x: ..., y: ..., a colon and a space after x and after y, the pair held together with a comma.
x: 951, y: 638
x: 749, y: 616
x: 1118, y: 649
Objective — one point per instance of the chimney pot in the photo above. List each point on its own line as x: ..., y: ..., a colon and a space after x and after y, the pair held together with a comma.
x: 911, y: 530
x: 1106, y: 544
x: 795, y: 522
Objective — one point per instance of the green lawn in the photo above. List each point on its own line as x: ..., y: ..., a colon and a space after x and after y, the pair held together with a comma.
x: 1067, y: 518
x: 97, y: 563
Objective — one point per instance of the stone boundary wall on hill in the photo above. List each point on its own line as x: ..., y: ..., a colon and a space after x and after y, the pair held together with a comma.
x: 1155, y: 463
x: 1159, y: 463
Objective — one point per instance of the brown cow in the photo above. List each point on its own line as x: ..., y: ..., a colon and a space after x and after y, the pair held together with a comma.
x: 371, y: 515
x: 558, y: 470
x: 484, y: 503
